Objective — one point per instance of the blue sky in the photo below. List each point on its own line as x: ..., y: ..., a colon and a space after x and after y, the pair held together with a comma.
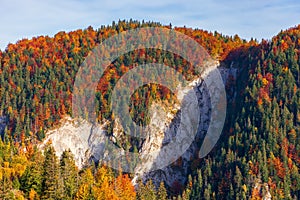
x: 247, y: 18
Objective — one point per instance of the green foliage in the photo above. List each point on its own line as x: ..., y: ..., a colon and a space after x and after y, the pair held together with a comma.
x: 51, y: 186
x: 258, y: 153
x: 69, y: 175
x: 147, y: 191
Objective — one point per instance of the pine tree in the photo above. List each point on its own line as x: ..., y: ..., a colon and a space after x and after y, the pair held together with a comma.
x: 237, y: 180
x: 207, y: 192
x: 69, y: 174
x: 32, y: 179
x: 85, y: 190
x: 265, y: 173
x: 51, y: 187
x: 196, y: 192
x: 123, y: 188
x: 147, y: 191
x: 162, y: 192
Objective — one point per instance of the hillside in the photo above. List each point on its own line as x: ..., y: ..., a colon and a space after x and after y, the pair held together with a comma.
x: 257, y: 156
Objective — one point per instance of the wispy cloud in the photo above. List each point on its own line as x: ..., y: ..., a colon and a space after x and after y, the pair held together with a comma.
x: 248, y: 18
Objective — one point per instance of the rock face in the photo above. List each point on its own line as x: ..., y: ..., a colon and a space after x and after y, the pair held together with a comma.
x: 81, y: 137
x: 87, y: 141
x: 164, y: 125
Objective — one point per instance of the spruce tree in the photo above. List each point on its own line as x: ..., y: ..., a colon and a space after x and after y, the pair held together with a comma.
x: 69, y: 174
x: 51, y: 187
x: 162, y: 192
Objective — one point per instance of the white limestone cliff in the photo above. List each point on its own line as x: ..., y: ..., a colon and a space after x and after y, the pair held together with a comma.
x: 87, y: 141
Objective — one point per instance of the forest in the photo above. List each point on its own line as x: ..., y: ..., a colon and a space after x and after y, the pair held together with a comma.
x: 258, y: 153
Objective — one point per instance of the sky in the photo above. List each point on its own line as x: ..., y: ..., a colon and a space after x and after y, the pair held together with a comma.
x: 247, y: 18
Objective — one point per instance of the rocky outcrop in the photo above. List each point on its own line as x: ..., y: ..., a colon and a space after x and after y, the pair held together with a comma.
x: 165, y: 125
x: 80, y: 136
x: 88, y: 141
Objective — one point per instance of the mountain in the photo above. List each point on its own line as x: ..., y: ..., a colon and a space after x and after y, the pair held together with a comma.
x: 256, y: 157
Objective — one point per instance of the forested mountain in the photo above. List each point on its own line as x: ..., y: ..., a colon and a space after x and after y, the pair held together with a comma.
x: 257, y: 156
x: 260, y: 155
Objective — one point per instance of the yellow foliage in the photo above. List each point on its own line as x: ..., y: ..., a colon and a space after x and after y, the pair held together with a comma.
x: 285, y: 69
x: 76, y: 49
x: 18, y: 90
x: 19, y: 164
x: 280, y: 193
x: 272, y: 155
x: 102, y: 176
x: 265, y: 81
x: 10, y: 110
x: 244, y: 187
x: 18, y: 195
x: 124, y: 188
x: 19, y: 169
x: 105, y: 192
x: 6, y: 164
x: 293, y: 134
x: 82, y: 192
x: 33, y: 195
x: 104, y: 187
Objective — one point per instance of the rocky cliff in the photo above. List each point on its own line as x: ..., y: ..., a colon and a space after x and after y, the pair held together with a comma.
x: 87, y: 141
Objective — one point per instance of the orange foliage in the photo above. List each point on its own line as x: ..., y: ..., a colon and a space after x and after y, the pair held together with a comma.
x: 279, y: 167
x: 256, y: 194
x: 124, y: 188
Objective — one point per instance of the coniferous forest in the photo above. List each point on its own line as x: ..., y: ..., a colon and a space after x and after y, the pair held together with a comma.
x: 258, y: 153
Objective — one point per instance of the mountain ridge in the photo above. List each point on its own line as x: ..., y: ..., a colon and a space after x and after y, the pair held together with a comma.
x: 259, y: 145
